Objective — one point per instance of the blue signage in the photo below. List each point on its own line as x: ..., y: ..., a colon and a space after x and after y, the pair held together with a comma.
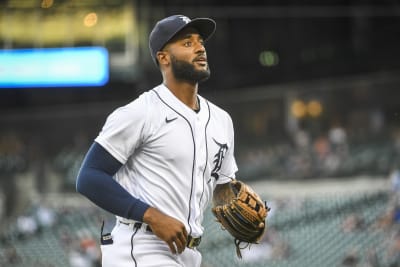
x: 54, y: 67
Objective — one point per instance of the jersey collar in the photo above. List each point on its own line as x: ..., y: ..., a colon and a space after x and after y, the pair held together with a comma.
x: 175, y: 103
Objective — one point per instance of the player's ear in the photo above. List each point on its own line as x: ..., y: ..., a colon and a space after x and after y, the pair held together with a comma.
x: 163, y: 58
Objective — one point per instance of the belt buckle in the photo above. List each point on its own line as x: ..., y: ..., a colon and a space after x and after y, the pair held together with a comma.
x: 193, y: 242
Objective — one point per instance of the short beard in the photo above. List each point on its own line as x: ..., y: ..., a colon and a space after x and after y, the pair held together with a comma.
x: 185, y: 71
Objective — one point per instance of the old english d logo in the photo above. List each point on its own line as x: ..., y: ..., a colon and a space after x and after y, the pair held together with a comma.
x: 218, y: 159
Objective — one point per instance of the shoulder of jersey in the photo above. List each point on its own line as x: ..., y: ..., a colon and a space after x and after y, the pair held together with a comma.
x: 216, y: 109
x: 138, y: 104
x: 142, y: 99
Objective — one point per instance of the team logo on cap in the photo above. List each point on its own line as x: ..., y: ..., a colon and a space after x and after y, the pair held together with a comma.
x: 185, y: 19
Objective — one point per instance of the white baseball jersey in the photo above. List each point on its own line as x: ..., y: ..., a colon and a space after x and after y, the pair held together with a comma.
x: 172, y: 156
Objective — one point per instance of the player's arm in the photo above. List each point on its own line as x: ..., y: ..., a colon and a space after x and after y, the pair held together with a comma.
x: 95, y: 181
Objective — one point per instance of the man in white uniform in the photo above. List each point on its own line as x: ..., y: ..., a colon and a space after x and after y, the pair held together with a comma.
x: 159, y: 160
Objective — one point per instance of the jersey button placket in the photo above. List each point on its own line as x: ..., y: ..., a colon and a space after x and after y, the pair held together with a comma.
x: 197, y: 173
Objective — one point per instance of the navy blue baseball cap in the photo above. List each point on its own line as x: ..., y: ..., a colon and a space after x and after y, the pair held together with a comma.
x: 168, y: 27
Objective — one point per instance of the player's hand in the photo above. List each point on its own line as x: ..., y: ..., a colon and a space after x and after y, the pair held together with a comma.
x: 167, y: 228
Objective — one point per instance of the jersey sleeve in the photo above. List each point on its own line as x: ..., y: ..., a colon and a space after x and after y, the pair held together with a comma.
x: 229, y: 166
x: 123, y: 131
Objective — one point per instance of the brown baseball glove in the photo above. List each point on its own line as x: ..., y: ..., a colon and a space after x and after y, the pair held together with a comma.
x: 244, y: 216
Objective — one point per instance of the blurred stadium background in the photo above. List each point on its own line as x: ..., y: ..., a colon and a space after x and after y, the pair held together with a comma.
x: 312, y: 87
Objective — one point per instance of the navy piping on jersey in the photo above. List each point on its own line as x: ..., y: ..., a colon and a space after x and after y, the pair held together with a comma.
x: 194, y: 156
x: 205, y: 136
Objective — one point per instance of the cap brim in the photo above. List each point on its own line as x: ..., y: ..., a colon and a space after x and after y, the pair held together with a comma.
x: 205, y: 26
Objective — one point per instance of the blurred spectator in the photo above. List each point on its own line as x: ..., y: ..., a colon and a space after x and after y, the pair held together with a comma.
x: 12, y: 151
x: 302, y: 139
x: 396, y: 138
x: 353, y: 222
x: 377, y: 121
x: 394, y: 179
x: 337, y: 138
x: 351, y: 258
x: 27, y: 225
x: 321, y: 147
x: 12, y: 162
x: 386, y: 220
x: 84, y: 251
x: 91, y: 250
x: 46, y: 217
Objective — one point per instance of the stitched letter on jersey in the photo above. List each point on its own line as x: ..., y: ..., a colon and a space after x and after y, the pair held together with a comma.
x: 218, y: 158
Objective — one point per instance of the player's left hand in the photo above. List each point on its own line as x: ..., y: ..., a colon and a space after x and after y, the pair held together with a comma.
x: 167, y: 228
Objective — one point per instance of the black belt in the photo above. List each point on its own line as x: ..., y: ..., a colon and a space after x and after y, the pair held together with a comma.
x: 192, y: 242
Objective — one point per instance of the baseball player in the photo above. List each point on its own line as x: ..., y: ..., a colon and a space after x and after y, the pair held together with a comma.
x: 159, y: 160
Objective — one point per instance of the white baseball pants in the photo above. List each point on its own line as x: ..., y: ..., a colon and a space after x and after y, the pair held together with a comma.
x: 137, y: 247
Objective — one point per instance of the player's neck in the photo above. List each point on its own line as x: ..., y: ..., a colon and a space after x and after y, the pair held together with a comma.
x: 185, y: 92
